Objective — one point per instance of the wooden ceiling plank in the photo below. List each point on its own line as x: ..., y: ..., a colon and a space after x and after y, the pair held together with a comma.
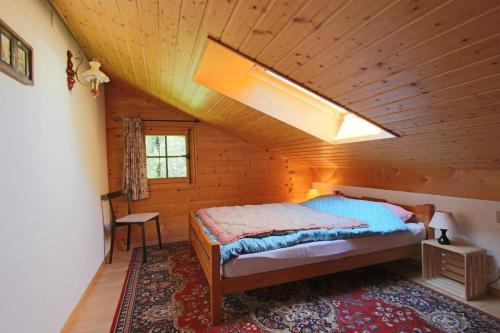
x: 93, y: 20
x: 342, y: 25
x: 468, y: 73
x: 484, y: 133
x: 189, y: 34
x: 169, y: 12
x: 110, y: 16
x: 311, y: 18
x: 242, y: 21
x: 441, y: 63
x: 219, y: 15
x: 386, y: 62
x: 128, y: 13
x: 66, y: 9
x: 455, y: 155
x: 443, y: 117
x: 463, y: 123
x: 384, y: 24
x: 458, y: 91
x: 188, y: 86
x: 481, y: 99
x: 275, y: 19
x: 148, y: 15
x: 462, y: 145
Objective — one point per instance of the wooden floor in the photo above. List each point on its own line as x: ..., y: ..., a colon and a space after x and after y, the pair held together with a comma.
x: 98, y: 306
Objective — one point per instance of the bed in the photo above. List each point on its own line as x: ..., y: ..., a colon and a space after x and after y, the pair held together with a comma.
x: 301, y: 261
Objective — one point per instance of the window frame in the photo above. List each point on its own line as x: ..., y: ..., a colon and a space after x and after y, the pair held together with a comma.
x: 167, y: 129
x: 16, y: 42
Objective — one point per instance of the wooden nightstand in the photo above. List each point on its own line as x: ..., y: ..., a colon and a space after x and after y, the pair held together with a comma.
x: 461, y: 263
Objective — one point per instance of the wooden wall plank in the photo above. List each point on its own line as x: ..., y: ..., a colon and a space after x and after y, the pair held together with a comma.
x: 477, y: 184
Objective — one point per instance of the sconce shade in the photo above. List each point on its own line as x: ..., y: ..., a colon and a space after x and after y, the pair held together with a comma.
x: 443, y: 220
x: 94, y: 73
x: 313, y: 193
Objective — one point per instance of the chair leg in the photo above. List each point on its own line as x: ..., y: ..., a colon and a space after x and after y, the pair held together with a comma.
x: 112, y: 242
x: 144, y: 255
x: 128, y: 237
x: 158, y: 231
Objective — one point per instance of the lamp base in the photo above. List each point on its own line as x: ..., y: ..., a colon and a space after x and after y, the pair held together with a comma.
x: 443, y: 240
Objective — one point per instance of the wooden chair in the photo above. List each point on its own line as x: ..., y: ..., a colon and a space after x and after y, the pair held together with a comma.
x: 128, y: 220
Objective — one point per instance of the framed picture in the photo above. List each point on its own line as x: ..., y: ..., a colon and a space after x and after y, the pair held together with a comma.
x: 16, y: 55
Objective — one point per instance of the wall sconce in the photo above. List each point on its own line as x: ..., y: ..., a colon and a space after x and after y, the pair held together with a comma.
x: 92, y: 77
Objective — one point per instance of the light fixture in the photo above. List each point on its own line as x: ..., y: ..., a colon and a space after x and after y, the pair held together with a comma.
x: 92, y: 77
x: 313, y: 193
x: 444, y: 221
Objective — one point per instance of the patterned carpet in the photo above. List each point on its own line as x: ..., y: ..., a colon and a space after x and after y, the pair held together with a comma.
x: 170, y: 294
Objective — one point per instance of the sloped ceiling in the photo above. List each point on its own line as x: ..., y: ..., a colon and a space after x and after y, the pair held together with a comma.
x: 427, y: 70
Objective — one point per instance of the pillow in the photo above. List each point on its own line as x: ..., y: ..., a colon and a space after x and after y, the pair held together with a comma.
x: 379, y: 217
x: 323, y: 203
x: 402, y: 213
x: 327, y: 204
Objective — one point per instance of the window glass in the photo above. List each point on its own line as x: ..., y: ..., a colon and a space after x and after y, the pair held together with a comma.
x: 177, y: 167
x: 167, y: 156
x: 176, y: 145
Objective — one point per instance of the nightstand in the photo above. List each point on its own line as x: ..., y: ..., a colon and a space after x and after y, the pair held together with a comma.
x: 458, y: 269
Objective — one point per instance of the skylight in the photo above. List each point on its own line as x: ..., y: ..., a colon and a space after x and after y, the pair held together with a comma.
x: 233, y: 75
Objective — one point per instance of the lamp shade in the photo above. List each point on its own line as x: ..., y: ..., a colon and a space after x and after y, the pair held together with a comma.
x: 313, y: 193
x: 443, y: 220
x: 94, y: 73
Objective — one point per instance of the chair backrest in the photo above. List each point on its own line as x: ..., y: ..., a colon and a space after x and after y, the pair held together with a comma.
x: 113, y: 195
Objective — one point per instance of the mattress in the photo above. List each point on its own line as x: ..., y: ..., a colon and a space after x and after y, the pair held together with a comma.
x: 314, y: 252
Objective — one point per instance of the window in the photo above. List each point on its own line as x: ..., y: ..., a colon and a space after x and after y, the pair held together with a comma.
x: 236, y: 76
x: 16, y: 56
x: 168, y: 155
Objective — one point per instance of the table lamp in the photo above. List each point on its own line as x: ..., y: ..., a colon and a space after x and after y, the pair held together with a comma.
x: 313, y: 193
x: 444, y: 221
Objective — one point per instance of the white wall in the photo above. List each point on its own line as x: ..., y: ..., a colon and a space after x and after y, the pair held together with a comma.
x: 52, y: 171
x: 476, y: 218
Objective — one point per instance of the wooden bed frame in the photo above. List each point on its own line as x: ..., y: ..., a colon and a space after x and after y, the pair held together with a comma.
x: 208, y: 253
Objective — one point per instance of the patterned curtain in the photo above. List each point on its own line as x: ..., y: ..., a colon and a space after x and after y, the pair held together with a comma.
x: 134, y: 159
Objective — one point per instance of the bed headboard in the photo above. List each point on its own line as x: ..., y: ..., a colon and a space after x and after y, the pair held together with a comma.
x: 422, y: 213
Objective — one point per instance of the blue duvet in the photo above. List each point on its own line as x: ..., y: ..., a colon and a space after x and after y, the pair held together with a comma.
x: 379, y: 218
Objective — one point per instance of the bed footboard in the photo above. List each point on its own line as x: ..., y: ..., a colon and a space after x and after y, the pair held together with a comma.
x: 208, y: 253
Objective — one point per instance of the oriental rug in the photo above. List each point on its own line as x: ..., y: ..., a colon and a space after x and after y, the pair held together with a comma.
x: 169, y: 293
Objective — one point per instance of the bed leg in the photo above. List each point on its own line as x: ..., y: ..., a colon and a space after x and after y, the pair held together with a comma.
x: 215, y: 285
x: 190, y: 245
x: 216, y: 304
x: 190, y: 237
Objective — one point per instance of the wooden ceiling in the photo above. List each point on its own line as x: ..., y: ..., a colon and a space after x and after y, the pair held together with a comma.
x: 426, y: 69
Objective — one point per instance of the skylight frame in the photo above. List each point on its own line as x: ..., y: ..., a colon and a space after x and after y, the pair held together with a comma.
x: 320, y: 98
x: 237, y: 76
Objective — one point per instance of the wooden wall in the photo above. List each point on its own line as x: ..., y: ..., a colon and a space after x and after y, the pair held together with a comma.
x: 476, y: 184
x: 229, y: 171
